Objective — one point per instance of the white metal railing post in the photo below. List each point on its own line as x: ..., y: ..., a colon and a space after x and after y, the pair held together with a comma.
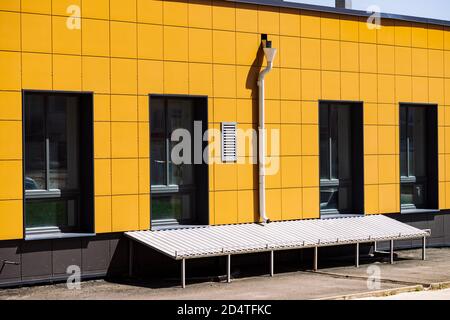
x: 229, y: 268
x: 424, y: 248
x: 316, y: 253
x: 271, y: 263
x: 391, y: 255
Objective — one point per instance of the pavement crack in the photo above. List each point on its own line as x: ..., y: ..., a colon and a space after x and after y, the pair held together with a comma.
x: 383, y: 280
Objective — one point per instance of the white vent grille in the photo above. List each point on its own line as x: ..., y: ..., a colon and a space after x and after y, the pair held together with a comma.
x: 229, y: 149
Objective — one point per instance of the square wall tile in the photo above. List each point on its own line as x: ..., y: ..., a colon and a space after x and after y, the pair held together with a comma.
x: 125, y: 173
x: 36, y: 33
x: 103, y: 214
x: 124, y: 136
x: 125, y: 222
x: 96, y: 73
x: 291, y: 204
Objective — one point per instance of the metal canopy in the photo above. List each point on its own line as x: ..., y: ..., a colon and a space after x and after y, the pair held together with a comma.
x: 227, y: 240
x: 211, y: 241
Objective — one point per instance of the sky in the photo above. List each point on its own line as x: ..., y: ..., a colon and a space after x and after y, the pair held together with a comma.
x: 435, y: 9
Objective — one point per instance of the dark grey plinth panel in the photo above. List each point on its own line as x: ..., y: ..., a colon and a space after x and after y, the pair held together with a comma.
x: 29, y: 262
x: 438, y: 223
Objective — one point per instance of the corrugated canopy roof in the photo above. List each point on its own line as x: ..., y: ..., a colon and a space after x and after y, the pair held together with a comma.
x: 212, y: 241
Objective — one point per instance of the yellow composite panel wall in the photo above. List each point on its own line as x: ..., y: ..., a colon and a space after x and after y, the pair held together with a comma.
x: 126, y: 50
x: 11, y: 195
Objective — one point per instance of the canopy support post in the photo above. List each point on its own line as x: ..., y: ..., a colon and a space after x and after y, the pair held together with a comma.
x: 357, y: 255
x: 183, y: 273
x: 229, y: 268
x: 391, y: 255
x: 271, y: 263
x: 316, y: 253
x: 424, y: 248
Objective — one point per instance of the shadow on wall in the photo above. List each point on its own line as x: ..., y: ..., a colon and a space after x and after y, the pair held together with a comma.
x: 251, y: 84
x: 253, y: 74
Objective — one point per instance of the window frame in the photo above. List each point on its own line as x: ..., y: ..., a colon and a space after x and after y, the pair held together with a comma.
x: 430, y: 179
x: 356, y: 180
x: 83, y: 195
x: 194, y: 189
x: 333, y: 182
x: 411, y: 179
x: 168, y: 187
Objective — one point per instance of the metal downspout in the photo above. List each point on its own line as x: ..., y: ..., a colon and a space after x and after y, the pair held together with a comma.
x: 262, y: 144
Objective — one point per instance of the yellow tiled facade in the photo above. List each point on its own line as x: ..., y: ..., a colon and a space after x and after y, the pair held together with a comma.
x: 126, y: 50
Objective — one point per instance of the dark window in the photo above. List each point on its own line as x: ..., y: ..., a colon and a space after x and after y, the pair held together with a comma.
x: 417, y: 148
x: 54, y: 186
x: 340, y: 152
x: 176, y: 187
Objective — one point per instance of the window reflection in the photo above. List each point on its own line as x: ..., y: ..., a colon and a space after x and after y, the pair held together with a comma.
x: 172, y: 184
x: 335, y: 158
x: 35, y: 163
x: 63, y: 132
x: 413, y: 159
x: 172, y: 207
x: 52, y: 160
x: 158, y: 142
x: 51, y: 213
x: 180, y: 116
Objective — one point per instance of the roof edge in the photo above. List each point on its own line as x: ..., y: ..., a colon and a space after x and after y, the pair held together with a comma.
x: 343, y: 11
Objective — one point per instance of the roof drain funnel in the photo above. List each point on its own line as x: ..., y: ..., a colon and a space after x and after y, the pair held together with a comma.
x: 344, y: 4
x: 269, y: 53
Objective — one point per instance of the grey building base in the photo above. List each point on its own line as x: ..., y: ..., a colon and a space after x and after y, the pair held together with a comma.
x: 438, y: 223
x: 101, y: 256
x: 46, y: 261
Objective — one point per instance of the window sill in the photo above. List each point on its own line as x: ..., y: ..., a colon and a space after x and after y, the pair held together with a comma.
x: 176, y: 227
x: 339, y: 215
x: 54, y: 236
x: 419, y: 211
